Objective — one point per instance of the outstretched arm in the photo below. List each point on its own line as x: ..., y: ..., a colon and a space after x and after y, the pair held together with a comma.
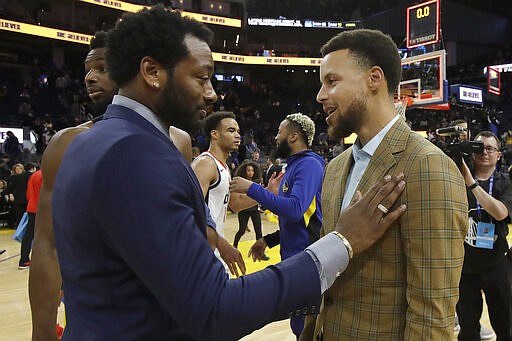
x: 308, y: 177
x: 239, y: 202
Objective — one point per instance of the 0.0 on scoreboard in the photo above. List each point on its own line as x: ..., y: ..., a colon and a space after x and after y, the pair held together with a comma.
x: 423, y: 24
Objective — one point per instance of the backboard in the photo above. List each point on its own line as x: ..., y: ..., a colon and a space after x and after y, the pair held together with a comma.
x: 424, y: 79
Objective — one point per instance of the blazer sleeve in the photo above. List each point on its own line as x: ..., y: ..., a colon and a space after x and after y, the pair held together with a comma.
x: 152, y: 223
x: 433, y: 230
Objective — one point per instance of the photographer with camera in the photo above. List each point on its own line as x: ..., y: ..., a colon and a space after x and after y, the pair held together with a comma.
x: 486, y: 265
x: 457, y: 144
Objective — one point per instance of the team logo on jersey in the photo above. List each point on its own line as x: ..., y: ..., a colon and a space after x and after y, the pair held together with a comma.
x: 285, y: 187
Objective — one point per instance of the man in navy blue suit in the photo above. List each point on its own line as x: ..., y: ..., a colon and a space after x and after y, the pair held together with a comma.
x: 136, y: 257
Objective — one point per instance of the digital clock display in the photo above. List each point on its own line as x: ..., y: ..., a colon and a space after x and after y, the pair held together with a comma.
x: 423, y: 24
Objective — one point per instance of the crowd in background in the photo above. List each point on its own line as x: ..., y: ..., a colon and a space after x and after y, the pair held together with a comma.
x: 47, y: 99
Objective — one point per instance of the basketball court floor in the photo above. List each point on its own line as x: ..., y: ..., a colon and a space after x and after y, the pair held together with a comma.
x: 15, y: 322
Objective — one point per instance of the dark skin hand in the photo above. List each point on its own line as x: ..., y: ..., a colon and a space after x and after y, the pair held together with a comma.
x: 257, y: 250
x: 241, y: 185
x: 362, y: 223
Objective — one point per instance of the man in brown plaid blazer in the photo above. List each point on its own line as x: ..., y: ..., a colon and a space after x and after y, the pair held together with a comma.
x: 406, y: 286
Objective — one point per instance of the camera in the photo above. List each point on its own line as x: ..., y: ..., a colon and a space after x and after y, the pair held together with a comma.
x: 457, y: 149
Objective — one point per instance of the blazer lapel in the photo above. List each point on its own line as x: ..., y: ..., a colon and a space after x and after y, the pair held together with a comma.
x: 385, y: 157
x: 334, y: 187
x: 382, y: 161
x: 124, y: 113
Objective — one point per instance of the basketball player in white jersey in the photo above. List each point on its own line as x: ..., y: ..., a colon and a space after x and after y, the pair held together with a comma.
x: 214, y: 177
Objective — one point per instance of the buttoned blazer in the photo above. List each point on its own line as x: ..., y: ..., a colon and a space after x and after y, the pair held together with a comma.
x: 130, y: 233
x: 406, y: 286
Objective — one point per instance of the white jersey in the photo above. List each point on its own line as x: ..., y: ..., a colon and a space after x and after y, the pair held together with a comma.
x: 217, y: 197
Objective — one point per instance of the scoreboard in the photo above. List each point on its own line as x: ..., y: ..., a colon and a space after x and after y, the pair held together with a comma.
x: 423, y: 24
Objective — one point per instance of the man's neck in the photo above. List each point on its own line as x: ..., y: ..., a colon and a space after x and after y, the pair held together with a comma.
x: 219, y: 153
x: 377, y: 117
x: 298, y: 149
x: 484, y: 173
x: 144, y: 98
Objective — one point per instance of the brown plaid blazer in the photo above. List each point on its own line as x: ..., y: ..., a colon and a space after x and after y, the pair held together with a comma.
x: 406, y: 286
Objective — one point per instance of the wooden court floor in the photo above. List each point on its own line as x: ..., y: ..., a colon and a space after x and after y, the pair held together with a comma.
x: 15, y: 323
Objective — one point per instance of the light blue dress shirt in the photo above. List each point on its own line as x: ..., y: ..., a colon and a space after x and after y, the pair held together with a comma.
x: 362, y: 157
x: 143, y: 111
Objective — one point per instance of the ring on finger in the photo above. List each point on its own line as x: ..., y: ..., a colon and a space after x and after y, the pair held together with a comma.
x: 382, y: 208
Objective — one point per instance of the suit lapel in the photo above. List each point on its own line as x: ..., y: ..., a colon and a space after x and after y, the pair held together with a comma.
x: 385, y: 156
x: 346, y: 163
x: 124, y: 113
x: 382, y: 161
x: 334, y: 187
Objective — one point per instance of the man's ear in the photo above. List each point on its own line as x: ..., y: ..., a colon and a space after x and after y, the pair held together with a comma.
x: 214, y: 134
x: 293, y: 137
x: 376, y: 78
x: 152, y: 72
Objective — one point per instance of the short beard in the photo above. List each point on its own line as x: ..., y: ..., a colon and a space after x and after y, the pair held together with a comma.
x: 350, y: 122
x: 282, y: 151
x: 99, y: 108
x: 172, y: 111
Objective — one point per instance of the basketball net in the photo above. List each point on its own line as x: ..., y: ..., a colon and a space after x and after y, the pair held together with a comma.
x: 401, y: 105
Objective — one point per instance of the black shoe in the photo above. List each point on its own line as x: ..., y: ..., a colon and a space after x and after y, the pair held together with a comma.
x: 265, y: 257
x: 2, y: 252
x: 24, y: 265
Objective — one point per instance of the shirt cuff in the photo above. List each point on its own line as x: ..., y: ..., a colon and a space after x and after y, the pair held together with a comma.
x: 209, y: 220
x: 331, y: 259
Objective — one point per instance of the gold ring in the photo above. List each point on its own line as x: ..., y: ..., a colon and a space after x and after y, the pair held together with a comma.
x: 382, y: 208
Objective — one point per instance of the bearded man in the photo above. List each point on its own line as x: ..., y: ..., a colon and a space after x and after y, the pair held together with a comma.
x: 406, y: 286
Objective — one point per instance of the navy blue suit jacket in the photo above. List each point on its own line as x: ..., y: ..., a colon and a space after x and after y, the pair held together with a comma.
x: 129, y: 223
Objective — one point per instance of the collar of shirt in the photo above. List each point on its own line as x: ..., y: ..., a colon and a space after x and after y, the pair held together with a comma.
x: 362, y: 156
x: 143, y: 111
x: 372, y: 145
